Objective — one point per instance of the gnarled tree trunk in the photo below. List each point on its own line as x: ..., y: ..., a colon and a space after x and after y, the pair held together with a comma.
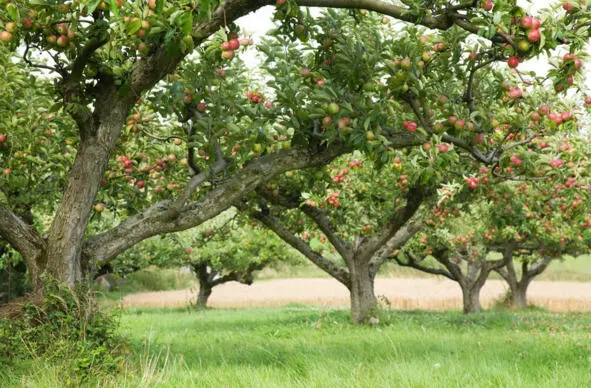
x: 205, y: 284
x: 519, y: 295
x: 471, y: 299
x: 363, y: 299
x: 98, y: 136
x: 518, y: 287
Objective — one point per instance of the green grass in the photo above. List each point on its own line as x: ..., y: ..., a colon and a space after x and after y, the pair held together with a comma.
x: 295, y: 347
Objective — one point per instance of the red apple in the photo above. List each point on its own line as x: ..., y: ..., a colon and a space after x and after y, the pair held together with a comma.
x: 62, y: 41
x: 234, y: 44
x: 62, y: 28
x: 513, y: 62
x: 227, y: 55
x: 534, y: 35
x: 526, y: 22
x: 5, y: 36
x: 544, y: 109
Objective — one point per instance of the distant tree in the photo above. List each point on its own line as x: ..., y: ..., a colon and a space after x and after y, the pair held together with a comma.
x: 229, y: 254
x: 535, y: 214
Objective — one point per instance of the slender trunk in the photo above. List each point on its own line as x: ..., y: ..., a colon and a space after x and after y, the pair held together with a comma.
x: 471, y: 299
x: 205, y: 277
x: 363, y: 299
x: 204, y: 294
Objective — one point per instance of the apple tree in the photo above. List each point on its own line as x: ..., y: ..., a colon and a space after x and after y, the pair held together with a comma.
x: 535, y: 212
x: 107, y: 56
x: 233, y: 253
x: 353, y: 71
x: 541, y: 220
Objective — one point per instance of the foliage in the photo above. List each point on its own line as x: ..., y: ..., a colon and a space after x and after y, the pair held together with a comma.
x: 37, y: 144
x: 63, y: 324
x: 236, y: 245
x: 13, y: 279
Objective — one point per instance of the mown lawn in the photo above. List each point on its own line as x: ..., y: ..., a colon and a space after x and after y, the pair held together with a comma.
x: 308, y: 347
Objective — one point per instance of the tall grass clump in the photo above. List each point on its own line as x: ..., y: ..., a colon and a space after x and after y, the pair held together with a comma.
x: 61, y: 326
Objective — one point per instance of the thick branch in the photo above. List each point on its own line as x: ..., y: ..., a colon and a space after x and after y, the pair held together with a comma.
x: 244, y: 277
x: 441, y: 22
x: 156, y: 220
x: 21, y: 236
x: 414, y: 263
x: 400, y: 238
x: 414, y: 199
x: 539, y: 266
x: 322, y: 262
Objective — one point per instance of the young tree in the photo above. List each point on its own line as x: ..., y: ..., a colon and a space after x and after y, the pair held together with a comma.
x: 108, y: 55
x: 227, y: 254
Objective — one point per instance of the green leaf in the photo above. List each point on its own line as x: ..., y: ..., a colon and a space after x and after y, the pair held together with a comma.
x: 113, y: 7
x: 92, y: 5
x: 204, y: 10
x: 13, y: 12
x: 185, y: 23
x: 159, y: 6
x: 133, y: 27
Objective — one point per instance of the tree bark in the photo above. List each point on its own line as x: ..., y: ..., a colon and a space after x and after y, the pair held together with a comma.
x: 471, y: 299
x: 205, y: 277
x: 363, y: 299
x: 519, y: 295
x: 205, y: 290
x: 99, y: 133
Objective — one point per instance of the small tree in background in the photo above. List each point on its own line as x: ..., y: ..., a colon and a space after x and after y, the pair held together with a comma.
x: 535, y: 214
x: 234, y: 253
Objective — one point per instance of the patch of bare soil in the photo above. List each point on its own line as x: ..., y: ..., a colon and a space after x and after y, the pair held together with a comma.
x: 424, y: 294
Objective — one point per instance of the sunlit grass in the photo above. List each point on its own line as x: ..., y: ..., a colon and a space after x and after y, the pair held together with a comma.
x: 305, y: 346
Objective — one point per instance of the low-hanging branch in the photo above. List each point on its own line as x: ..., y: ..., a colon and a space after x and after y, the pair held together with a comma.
x: 271, y: 222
